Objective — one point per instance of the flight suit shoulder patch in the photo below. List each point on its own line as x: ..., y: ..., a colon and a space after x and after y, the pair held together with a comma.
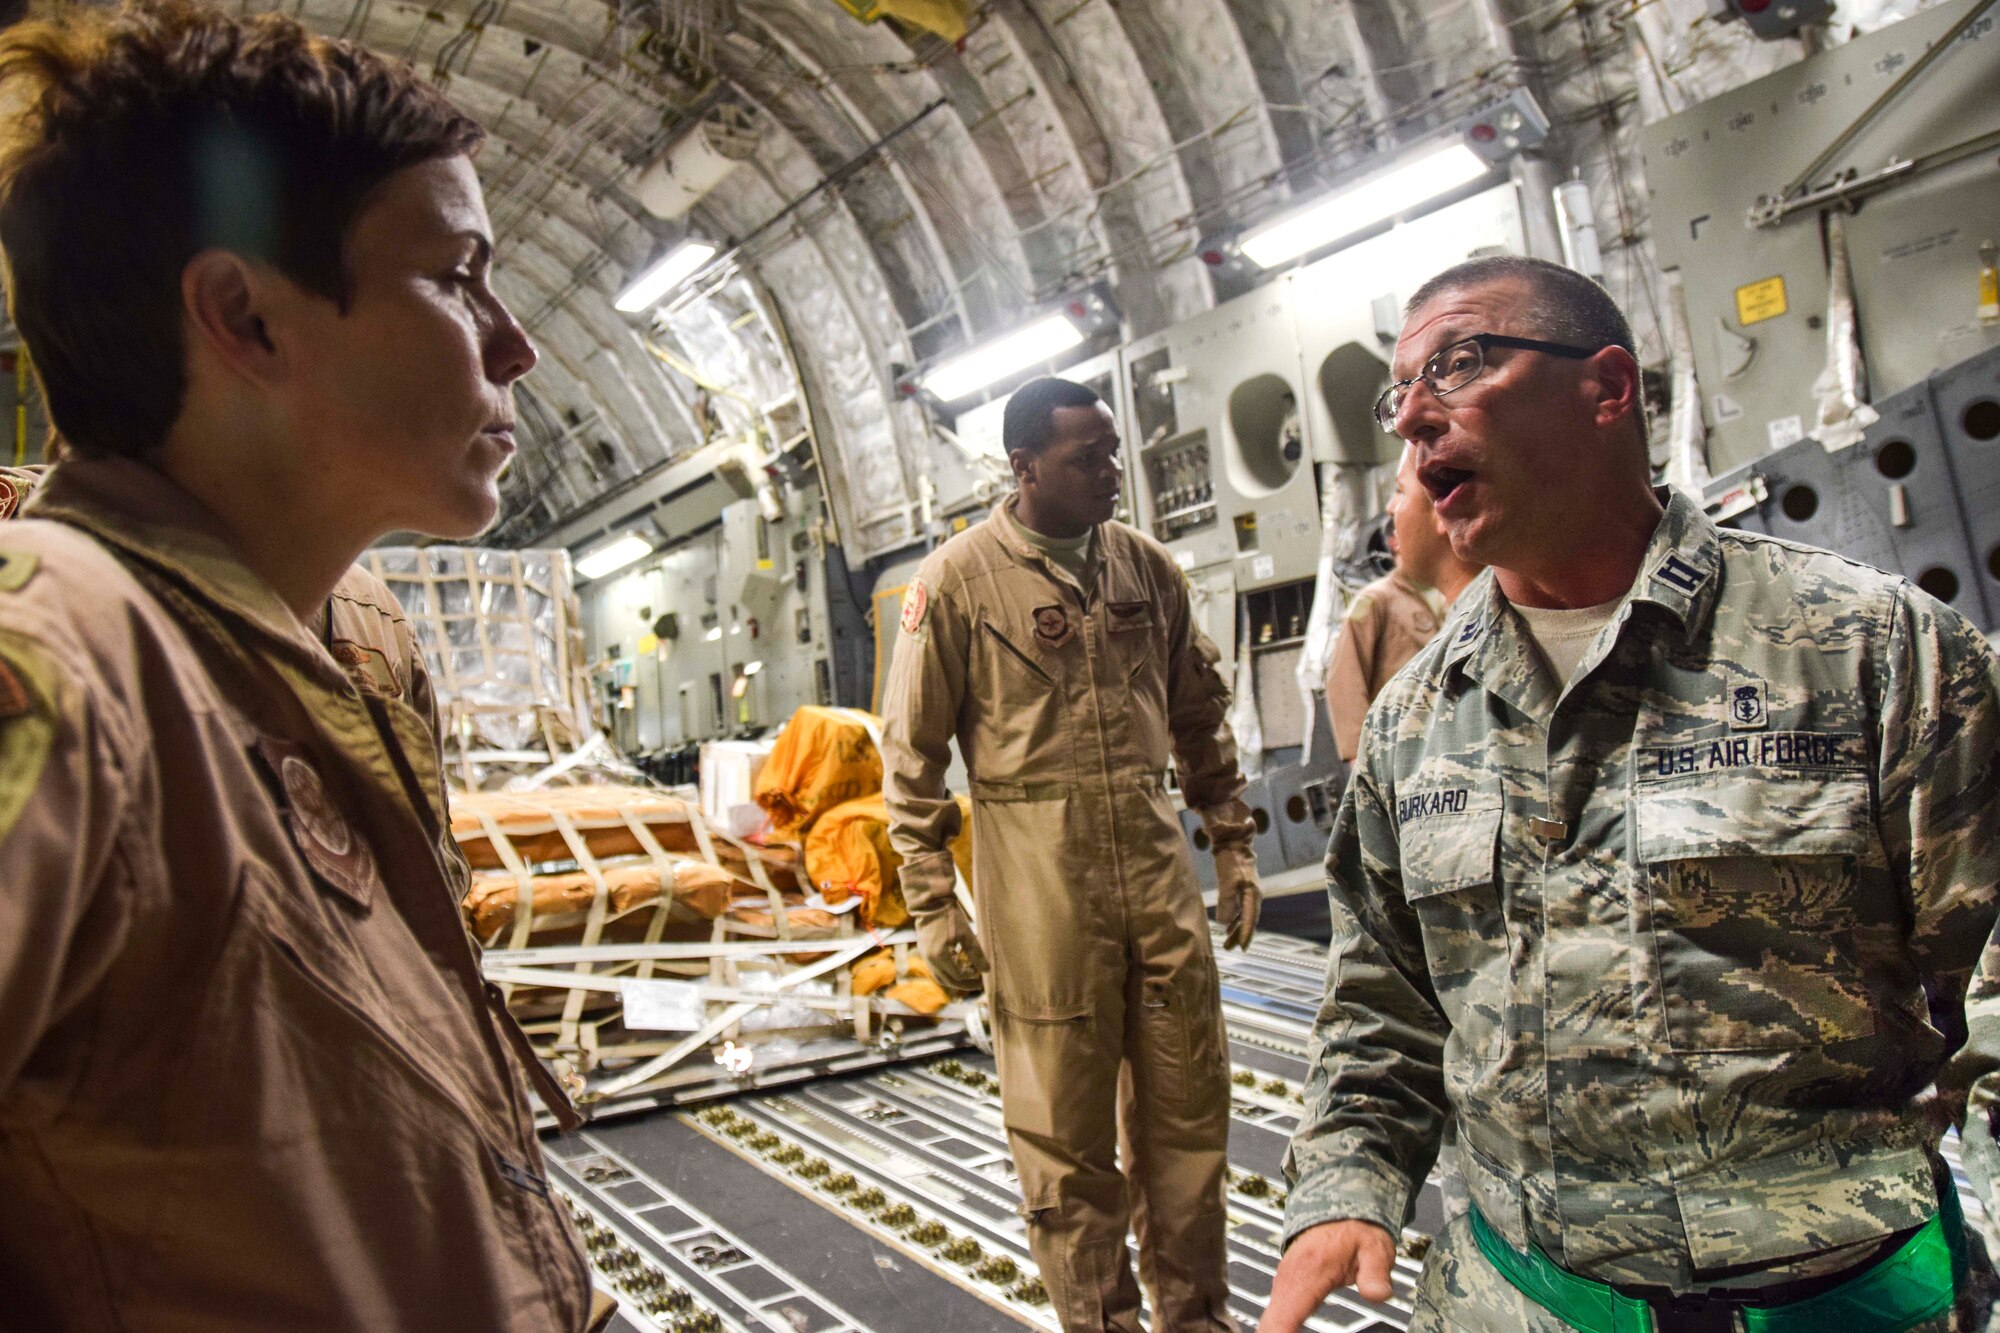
x: 27, y: 735
x: 916, y: 602
x: 16, y: 568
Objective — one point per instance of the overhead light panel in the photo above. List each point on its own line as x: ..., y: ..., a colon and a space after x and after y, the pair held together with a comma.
x: 679, y: 264
x: 714, y: 633
x: 613, y: 556
x: 1364, y: 204
x: 1029, y: 345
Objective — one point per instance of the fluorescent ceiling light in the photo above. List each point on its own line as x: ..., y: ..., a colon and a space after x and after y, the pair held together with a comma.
x: 613, y: 556
x: 679, y: 265
x: 752, y: 668
x: 714, y: 633
x: 1027, y: 346
x: 1364, y: 204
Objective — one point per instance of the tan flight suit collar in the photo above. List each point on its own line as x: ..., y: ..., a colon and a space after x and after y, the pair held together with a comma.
x: 147, y: 516
x: 1486, y: 641
x: 1422, y: 592
x: 1007, y: 529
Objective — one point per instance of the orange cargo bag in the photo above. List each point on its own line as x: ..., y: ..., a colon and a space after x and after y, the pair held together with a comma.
x: 823, y: 757
x: 848, y: 854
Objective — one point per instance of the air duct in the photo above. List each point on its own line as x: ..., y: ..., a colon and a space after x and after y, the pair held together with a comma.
x: 697, y: 161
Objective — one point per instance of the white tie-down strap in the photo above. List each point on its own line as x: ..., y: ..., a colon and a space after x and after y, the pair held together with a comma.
x: 735, y: 1013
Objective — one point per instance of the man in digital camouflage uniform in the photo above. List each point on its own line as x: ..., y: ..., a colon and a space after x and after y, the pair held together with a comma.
x: 1059, y: 649
x: 1664, y: 868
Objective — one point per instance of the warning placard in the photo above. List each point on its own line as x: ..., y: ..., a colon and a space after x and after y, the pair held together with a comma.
x: 1760, y: 301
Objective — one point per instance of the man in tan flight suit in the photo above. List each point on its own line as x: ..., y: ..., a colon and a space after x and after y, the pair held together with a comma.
x: 250, y: 1075
x: 1391, y: 619
x: 1059, y: 649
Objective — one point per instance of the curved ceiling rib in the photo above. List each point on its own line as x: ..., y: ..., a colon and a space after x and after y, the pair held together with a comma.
x: 845, y: 334
x: 1147, y: 171
x: 930, y: 275
x: 1032, y: 93
x: 1081, y: 142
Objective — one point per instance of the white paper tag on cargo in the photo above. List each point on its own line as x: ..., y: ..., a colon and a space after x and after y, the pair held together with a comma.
x: 662, y: 1006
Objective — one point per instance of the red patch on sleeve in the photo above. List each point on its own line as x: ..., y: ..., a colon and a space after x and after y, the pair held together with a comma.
x: 14, y: 700
x: 914, y: 603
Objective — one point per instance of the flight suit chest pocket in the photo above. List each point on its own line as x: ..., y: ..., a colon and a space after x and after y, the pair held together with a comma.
x: 1128, y: 627
x: 1450, y: 851
x: 1754, y: 881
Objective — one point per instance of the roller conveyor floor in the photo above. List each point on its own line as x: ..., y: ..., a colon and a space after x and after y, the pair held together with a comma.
x: 885, y: 1201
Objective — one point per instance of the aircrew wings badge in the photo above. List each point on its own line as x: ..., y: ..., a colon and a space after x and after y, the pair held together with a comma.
x: 915, y: 602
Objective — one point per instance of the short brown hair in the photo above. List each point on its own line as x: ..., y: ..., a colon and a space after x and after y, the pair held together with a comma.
x: 150, y: 134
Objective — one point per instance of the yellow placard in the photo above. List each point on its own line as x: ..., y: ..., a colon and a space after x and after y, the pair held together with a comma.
x: 947, y: 18
x: 1760, y: 301
x: 648, y: 643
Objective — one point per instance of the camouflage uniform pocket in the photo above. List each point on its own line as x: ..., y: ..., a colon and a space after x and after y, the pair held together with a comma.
x: 1449, y: 880
x: 1753, y: 889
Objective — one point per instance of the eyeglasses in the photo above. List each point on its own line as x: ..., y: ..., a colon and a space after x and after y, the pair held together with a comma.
x: 1459, y: 365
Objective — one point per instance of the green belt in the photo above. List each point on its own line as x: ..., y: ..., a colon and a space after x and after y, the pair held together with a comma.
x: 1918, y: 1282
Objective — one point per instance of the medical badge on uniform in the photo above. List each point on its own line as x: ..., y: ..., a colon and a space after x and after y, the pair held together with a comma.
x: 1052, y: 626
x: 1748, y: 706
x: 329, y: 844
x: 915, y: 602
